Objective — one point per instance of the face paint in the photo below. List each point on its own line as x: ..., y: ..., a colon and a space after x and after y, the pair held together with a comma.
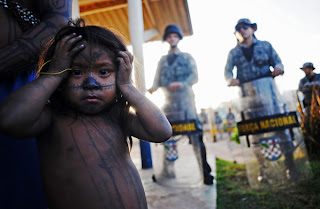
x: 92, y: 57
x: 91, y: 86
x: 108, y: 86
x: 91, y: 83
x: 101, y: 87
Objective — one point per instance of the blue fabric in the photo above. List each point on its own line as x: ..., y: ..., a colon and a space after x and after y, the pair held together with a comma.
x: 20, y: 181
x: 230, y: 117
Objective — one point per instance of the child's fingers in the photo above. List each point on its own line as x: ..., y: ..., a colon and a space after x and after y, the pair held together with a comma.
x: 68, y: 37
x: 124, y: 72
x: 67, y: 43
x: 125, y: 57
x: 72, y: 42
x: 121, y: 61
x: 75, y: 50
x: 62, y: 42
x: 130, y: 56
x: 65, y: 51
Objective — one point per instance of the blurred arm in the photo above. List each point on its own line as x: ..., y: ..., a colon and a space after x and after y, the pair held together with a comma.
x: 156, y: 80
x: 148, y: 122
x: 275, y: 62
x: 24, y: 113
x: 228, y: 72
x: 22, y: 54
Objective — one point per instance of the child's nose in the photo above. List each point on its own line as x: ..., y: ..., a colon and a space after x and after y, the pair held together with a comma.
x: 91, y: 83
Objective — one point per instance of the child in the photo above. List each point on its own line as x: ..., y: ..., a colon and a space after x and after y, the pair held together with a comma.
x: 81, y: 118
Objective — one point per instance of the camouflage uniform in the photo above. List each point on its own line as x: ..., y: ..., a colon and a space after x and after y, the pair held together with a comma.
x: 259, y: 94
x: 183, y: 70
x: 263, y: 57
x: 306, y: 85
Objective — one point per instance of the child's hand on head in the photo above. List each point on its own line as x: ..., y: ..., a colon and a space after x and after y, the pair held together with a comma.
x: 125, y: 59
x: 67, y: 48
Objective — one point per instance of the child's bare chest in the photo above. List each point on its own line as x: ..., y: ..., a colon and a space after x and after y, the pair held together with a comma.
x: 92, y: 140
x: 88, y: 158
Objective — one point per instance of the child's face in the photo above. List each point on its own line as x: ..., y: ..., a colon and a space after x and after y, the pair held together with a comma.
x: 91, y: 86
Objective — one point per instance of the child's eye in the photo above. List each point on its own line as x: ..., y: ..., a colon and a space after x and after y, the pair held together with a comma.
x: 76, y: 72
x: 103, y: 72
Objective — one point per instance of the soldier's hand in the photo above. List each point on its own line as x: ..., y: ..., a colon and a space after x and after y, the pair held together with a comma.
x: 276, y: 72
x: 234, y: 82
x: 152, y: 89
x: 175, y: 86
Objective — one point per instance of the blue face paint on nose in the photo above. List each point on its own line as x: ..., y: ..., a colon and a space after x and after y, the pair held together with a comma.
x: 91, y: 83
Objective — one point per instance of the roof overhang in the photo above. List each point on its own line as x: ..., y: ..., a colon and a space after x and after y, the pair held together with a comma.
x: 157, y: 14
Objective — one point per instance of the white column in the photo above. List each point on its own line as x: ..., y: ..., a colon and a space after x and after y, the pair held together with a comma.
x: 136, y: 36
x: 136, y: 29
x: 75, y: 9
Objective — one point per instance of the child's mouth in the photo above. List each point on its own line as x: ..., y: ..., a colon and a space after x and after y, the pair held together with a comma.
x: 91, y: 99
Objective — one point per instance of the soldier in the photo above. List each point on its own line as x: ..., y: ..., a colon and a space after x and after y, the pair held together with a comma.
x: 306, y: 87
x: 176, y: 73
x: 259, y: 94
x: 306, y: 84
x: 230, y: 121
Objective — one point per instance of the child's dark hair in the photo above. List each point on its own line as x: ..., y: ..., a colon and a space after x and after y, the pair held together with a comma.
x: 94, y: 36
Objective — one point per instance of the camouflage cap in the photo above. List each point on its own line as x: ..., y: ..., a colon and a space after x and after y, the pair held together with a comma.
x: 247, y: 22
x: 308, y: 65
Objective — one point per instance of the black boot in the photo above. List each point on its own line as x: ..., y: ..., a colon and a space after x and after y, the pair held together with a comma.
x: 207, y: 177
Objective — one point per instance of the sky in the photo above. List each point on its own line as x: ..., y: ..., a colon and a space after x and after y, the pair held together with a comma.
x: 291, y: 26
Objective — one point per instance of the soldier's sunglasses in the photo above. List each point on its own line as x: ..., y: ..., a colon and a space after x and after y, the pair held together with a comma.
x: 244, y: 26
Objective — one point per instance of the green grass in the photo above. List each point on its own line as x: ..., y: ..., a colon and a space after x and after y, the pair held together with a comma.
x: 233, y: 190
